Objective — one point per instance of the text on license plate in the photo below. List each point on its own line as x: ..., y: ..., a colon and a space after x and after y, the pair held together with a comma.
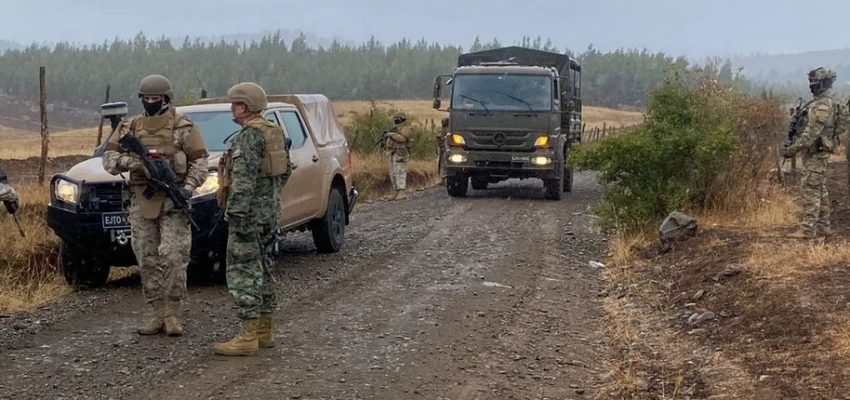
x: 116, y: 220
x: 520, y: 158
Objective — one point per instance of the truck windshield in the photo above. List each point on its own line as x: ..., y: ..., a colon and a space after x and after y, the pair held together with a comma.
x: 215, y: 126
x: 502, y: 93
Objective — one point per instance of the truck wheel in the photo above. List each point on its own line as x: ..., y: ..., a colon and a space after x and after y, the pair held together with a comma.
x: 82, y: 269
x: 329, y: 231
x: 479, y: 182
x: 457, y: 185
x: 553, y: 188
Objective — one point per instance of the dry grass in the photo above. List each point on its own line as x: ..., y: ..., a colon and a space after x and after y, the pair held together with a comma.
x: 775, y: 208
x: 790, y: 259
x: 22, y: 145
x: 371, y: 173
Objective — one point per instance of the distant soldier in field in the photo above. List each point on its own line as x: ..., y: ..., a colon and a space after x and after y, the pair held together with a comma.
x: 398, y: 147
x: 441, y: 148
x: 822, y: 121
x: 253, y: 172
x: 8, y: 195
x: 162, y: 236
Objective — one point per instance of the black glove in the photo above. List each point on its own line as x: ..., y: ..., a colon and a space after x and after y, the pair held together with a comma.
x: 11, y: 206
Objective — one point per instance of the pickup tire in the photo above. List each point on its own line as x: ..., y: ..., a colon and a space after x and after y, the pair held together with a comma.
x: 81, y: 268
x: 479, y: 182
x: 329, y: 231
x: 457, y: 185
x: 554, y: 188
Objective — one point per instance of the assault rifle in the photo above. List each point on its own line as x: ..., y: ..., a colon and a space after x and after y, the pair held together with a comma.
x: 160, y: 177
x: 12, y: 206
x: 797, y: 114
x: 382, y: 141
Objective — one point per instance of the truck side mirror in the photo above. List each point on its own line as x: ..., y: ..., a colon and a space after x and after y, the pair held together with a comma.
x: 437, y: 104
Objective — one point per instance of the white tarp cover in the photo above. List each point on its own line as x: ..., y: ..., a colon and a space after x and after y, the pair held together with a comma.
x: 319, y: 115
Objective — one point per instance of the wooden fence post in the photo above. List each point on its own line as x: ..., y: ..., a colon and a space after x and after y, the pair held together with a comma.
x: 100, y: 126
x: 45, y: 138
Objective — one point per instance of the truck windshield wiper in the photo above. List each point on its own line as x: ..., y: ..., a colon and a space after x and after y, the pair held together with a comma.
x: 483, y: 104
x: 527, y: 104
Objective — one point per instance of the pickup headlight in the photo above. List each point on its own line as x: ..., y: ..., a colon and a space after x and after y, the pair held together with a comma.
x: 210, y: 185
x: 66, y: 191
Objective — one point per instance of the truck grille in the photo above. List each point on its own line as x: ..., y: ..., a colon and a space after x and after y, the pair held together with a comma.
x: 103, y: 197
x: 501, y: 140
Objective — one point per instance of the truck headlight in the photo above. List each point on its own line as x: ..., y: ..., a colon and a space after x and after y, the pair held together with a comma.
x: 541, y: 160
x: 457, y: 158
x: 457, y: 140
x: 66, y: 191
x: 542, y: 141
x: 210, y: 185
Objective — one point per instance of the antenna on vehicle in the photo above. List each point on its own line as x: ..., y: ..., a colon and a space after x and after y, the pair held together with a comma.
x: 201, y: 84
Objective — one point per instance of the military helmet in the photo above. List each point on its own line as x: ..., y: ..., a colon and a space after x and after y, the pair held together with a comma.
x: 153, y: 85
x: 821, y: 79
x: 248, y: 93
x: 400, y: 116
x: 445, y: 121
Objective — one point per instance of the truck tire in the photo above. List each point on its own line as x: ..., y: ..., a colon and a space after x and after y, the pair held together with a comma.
x: 82, y: 269
x: 554, y: 188
x: 329, y: 231
x: 479, y: 182
x: 457, y: 185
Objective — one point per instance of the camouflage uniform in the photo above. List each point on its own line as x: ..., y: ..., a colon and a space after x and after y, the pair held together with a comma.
x: 161, y: 234
x: 7, y: 193
x: 822, y: 119
x: 441, y: 147
x: 254, y: 170
x: 398, y: 147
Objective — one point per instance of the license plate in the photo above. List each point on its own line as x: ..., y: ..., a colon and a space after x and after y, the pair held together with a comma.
x: 520, y: 158
x: 115, y: 220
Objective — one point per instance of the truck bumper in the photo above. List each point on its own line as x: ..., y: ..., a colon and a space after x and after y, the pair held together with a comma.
x: 87, y: 230
x: 501, y: 164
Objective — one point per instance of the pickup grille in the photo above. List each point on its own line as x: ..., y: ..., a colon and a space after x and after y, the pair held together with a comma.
x: 103, y: 197
x: 501, y: 140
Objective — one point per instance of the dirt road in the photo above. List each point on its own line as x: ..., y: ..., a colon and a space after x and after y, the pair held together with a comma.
x: 487, y: 297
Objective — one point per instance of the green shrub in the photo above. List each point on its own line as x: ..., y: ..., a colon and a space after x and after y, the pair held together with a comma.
x: 367, y: 128
x: 688, y: 155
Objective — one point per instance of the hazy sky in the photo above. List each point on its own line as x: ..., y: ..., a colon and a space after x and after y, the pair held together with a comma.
x: 696, y: 28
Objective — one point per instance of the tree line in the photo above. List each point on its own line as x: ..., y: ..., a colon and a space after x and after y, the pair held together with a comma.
x: 405, y: 69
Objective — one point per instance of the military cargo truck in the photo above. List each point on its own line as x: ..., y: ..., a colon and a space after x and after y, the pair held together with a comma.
x: 513, y: 113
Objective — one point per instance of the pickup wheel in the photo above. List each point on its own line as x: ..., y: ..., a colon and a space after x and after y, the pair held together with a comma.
x: 457, y: 185
x: 81, y: 268
x: 479, y: 182
x: 329, y: 231
x: 553, y: 188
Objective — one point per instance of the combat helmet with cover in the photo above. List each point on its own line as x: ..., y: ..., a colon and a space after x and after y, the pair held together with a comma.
x: 250, y: 94
x: 155, y: 85
x: 821, y: 79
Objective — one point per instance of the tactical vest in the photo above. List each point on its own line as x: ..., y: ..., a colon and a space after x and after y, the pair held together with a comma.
x: 275, y: 160
x: 825, y: 140
x: 400, y: 148
x: 157, y: 134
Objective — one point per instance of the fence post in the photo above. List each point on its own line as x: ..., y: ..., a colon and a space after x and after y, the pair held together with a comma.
x: 45, y: 138
x: 100, y: 126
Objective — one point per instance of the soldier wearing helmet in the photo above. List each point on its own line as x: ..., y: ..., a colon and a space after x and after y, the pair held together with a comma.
x: 252, y: 174
x: 161, y: 233
x: 822, y: 121
x: 399, y: 143
x: 441, y: 148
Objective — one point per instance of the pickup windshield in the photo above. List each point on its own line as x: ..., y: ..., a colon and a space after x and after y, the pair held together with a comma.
x: 215, y: 126
x: 502, y: 92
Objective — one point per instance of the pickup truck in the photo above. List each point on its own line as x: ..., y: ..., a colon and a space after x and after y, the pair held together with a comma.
x: 88, y: 206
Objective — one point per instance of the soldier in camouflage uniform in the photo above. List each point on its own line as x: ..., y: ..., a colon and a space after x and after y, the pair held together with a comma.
x: 253, y: 172
x: 441, y: 148
x: 398, y: 147
x: 161, y: 234
x: 8, y: 195
x: 823, y: 121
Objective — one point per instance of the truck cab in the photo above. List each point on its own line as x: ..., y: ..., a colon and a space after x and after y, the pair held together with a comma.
x: 513, y: 113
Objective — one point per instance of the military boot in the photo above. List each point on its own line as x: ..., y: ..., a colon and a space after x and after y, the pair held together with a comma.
x: 173, y: 327
x: 393, y: 196
x: 401, y: 194
x: 265, y: 331
x: 155, y: 324
x: 243, y: 344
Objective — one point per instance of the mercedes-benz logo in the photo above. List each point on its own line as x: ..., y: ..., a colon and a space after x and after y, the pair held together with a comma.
x: 499, y: 138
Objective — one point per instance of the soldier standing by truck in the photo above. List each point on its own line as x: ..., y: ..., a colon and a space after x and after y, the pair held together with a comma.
x: 398, y: 147
x: 253, y: 172
x: 161, y: 235
x: 441, y: 148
